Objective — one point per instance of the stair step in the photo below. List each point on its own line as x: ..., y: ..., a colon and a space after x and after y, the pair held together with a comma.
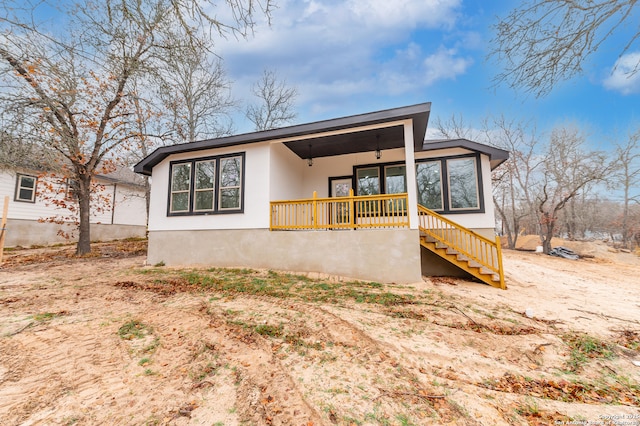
x: 461, y: 260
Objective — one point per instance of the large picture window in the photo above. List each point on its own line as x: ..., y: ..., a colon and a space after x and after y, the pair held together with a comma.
x: 26, y: 188
x: 207, y: 185
x: 450, y: 185
x: 463, y: 184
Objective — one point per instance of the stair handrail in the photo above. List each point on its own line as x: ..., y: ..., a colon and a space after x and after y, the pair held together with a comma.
x: 496, y: 267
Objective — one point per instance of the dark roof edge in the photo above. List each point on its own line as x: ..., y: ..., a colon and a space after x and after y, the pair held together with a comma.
x: 146, y: 165
x: 497, y: 156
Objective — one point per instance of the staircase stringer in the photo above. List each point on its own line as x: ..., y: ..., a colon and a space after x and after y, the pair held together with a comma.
x: 469, y: 251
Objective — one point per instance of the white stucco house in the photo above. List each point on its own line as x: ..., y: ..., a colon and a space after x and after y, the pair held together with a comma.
x: 363, y: 196
x: 119, y: 210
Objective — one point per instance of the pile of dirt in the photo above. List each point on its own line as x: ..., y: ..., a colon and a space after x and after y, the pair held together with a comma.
x: 597, y: 249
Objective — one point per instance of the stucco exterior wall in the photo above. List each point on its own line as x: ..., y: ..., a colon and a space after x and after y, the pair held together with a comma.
x: 316, y: 178
x: 285, y: 174
x: 377, y: 255
x: 273, y: 172
x: 256, y: 193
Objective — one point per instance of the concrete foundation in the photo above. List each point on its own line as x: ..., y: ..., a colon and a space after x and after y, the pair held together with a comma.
x: 26, y: 233
x: 381, y: 255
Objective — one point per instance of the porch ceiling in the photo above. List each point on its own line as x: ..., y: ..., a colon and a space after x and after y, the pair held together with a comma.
x: 349, y: 143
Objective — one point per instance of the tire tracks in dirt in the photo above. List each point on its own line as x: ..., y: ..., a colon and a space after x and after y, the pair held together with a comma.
x: 399, y: 373
x: 266, y: 394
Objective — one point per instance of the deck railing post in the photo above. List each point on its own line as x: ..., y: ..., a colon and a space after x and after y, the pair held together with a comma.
x: 271, y: 216
x: 352, y: 214
x: 315, y: 210
x: 499, y: 254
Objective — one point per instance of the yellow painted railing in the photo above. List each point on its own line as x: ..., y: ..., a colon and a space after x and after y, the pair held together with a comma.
x: 351, y: 212
x: 472, y: 245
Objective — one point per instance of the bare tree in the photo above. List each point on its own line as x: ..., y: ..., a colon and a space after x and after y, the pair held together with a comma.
x: 512, y: 181
x: 195, y: 93
x: 627, y: 177
x: 75, y: 81
x: 455, y: 127
x: 276, y: 102
x: 543, y: 42
x: 567, y: 171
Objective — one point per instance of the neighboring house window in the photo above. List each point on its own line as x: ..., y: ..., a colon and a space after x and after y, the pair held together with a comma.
x: 447, y: 185
x: 207, y: 185
x: 71, y: 190
x: 26, y: 188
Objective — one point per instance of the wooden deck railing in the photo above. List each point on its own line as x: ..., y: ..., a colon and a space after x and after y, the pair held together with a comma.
x: 351, y: 212
x: 470, y: 244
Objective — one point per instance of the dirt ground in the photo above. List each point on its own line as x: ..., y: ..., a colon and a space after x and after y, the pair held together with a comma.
x: 106, y: 340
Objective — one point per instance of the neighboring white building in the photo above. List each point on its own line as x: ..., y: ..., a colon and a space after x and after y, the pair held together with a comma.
x: 355, y: 196
x: 122, y: 214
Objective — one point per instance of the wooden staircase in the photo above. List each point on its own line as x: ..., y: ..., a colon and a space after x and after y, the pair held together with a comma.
x: 469, y: 251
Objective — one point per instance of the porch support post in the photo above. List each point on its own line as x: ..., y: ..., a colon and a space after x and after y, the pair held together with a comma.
x: 410, y: 162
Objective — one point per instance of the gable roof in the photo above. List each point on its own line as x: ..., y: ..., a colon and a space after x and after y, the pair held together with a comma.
x: 496, y: 156
x: 356, y: 133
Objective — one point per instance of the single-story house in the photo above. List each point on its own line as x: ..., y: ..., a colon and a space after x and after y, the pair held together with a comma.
x: 36, y: 197
x: 363, y: 196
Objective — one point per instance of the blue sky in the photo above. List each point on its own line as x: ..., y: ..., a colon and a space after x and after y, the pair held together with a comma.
x: 353, y: 56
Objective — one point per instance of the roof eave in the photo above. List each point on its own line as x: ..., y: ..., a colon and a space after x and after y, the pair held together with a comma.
x: 497, y: 156
x: 418, y: 113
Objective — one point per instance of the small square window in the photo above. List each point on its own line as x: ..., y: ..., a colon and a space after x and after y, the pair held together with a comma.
x: 26, y: 188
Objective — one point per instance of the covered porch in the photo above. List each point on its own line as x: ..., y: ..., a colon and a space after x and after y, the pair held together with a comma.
x: 477, y: 255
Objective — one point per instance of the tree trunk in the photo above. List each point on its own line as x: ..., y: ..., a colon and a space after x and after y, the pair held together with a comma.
x: 546, y: 232
x: 84, y: 210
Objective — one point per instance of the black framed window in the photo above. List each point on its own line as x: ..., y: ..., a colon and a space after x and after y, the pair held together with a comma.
x: 368, y: 181
x: 451, y: 184
x: 447, y: 185
x: 26, y: 188
x: 428, y: 178
x: 463, y: 184
x: 207, y: 185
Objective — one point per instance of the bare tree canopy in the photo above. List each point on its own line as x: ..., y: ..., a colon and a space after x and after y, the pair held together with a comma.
x: 74, y: 78
x: 195, y: 95
x: 544, y: 42
x: 275, y: 102
x: 627, y: 178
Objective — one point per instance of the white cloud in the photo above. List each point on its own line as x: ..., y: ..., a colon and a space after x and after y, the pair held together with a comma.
x: 445, y: 65
x: 625, y: 75
x: 336, y: 50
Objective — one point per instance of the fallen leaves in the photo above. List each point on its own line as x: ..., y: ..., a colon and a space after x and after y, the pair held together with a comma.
x: 563, y: 390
